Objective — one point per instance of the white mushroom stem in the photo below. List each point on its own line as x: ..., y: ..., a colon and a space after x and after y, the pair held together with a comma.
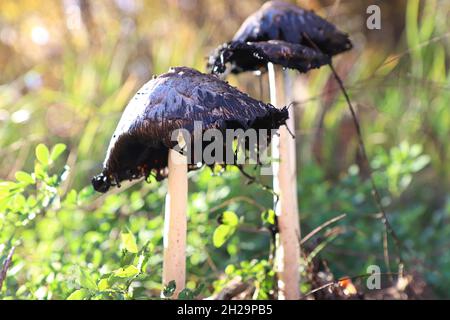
x: 175, y: 222
x: 287, y: 257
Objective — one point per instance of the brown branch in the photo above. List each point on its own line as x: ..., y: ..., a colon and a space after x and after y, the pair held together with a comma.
x: 6, y: 266
x: 319, y: 228
x: 233, y: 289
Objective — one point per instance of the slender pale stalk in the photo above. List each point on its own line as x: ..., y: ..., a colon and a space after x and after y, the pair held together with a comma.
x: 287, y: 257
x: 175, y: 224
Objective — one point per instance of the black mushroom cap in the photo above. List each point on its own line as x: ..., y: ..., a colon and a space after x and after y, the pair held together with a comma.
x: 174, y: 100
x: 252, y: 56
x: 277, y: 20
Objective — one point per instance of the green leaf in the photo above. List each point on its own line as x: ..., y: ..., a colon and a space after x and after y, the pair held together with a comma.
x: 71, y: 198
x: 229, y: 270
x: 230, y: 218
x: 229, y: 221
x: 4, y: 194
x: 268, y: 216
x: 103, y: 284
x: 57, y: 150
x: 420, y: 163
x: 129, y: 242
x: 39, y: 171
x: 7, y: 185
x: 222, y: 234
x: 79, y: 295
x: 43, y: 154
x: 5, y: 188
x: 169, y: 289
x: 127, y: 272
x: 127, y: 258
x: 24, y: 177
x: 85, y: 194
x: 19, y: 201
x: 186, y: 294
x: 86, y: 280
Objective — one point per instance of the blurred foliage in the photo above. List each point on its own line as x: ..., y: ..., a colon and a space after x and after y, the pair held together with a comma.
x: 68, y: 69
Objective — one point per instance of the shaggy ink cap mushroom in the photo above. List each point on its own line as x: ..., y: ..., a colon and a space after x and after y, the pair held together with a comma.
x: 284, y: 34
x: 278, y: 20
x: 253, y: 56
x: 140, y: 144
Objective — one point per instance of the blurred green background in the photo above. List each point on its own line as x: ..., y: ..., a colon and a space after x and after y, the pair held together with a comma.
x: 67, y: 70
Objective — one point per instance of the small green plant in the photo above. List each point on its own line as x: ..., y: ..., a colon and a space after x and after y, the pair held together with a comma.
x: 21, y: 201
x: 185, y: 294
x: 400, y: 163
x: 257, y: 273
x: 39, y: 220
x: 118, y: 283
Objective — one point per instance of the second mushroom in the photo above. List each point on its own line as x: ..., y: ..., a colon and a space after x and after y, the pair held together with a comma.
x: 286, y: 35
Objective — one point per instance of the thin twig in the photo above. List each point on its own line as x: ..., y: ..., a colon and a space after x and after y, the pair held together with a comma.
x: 322, y: 226
x: 6, y: 266
x: 232, y: 289
x: 418, y: 47
x: 253, y: 179
x: 237, y: 199
x: 376, y: 194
